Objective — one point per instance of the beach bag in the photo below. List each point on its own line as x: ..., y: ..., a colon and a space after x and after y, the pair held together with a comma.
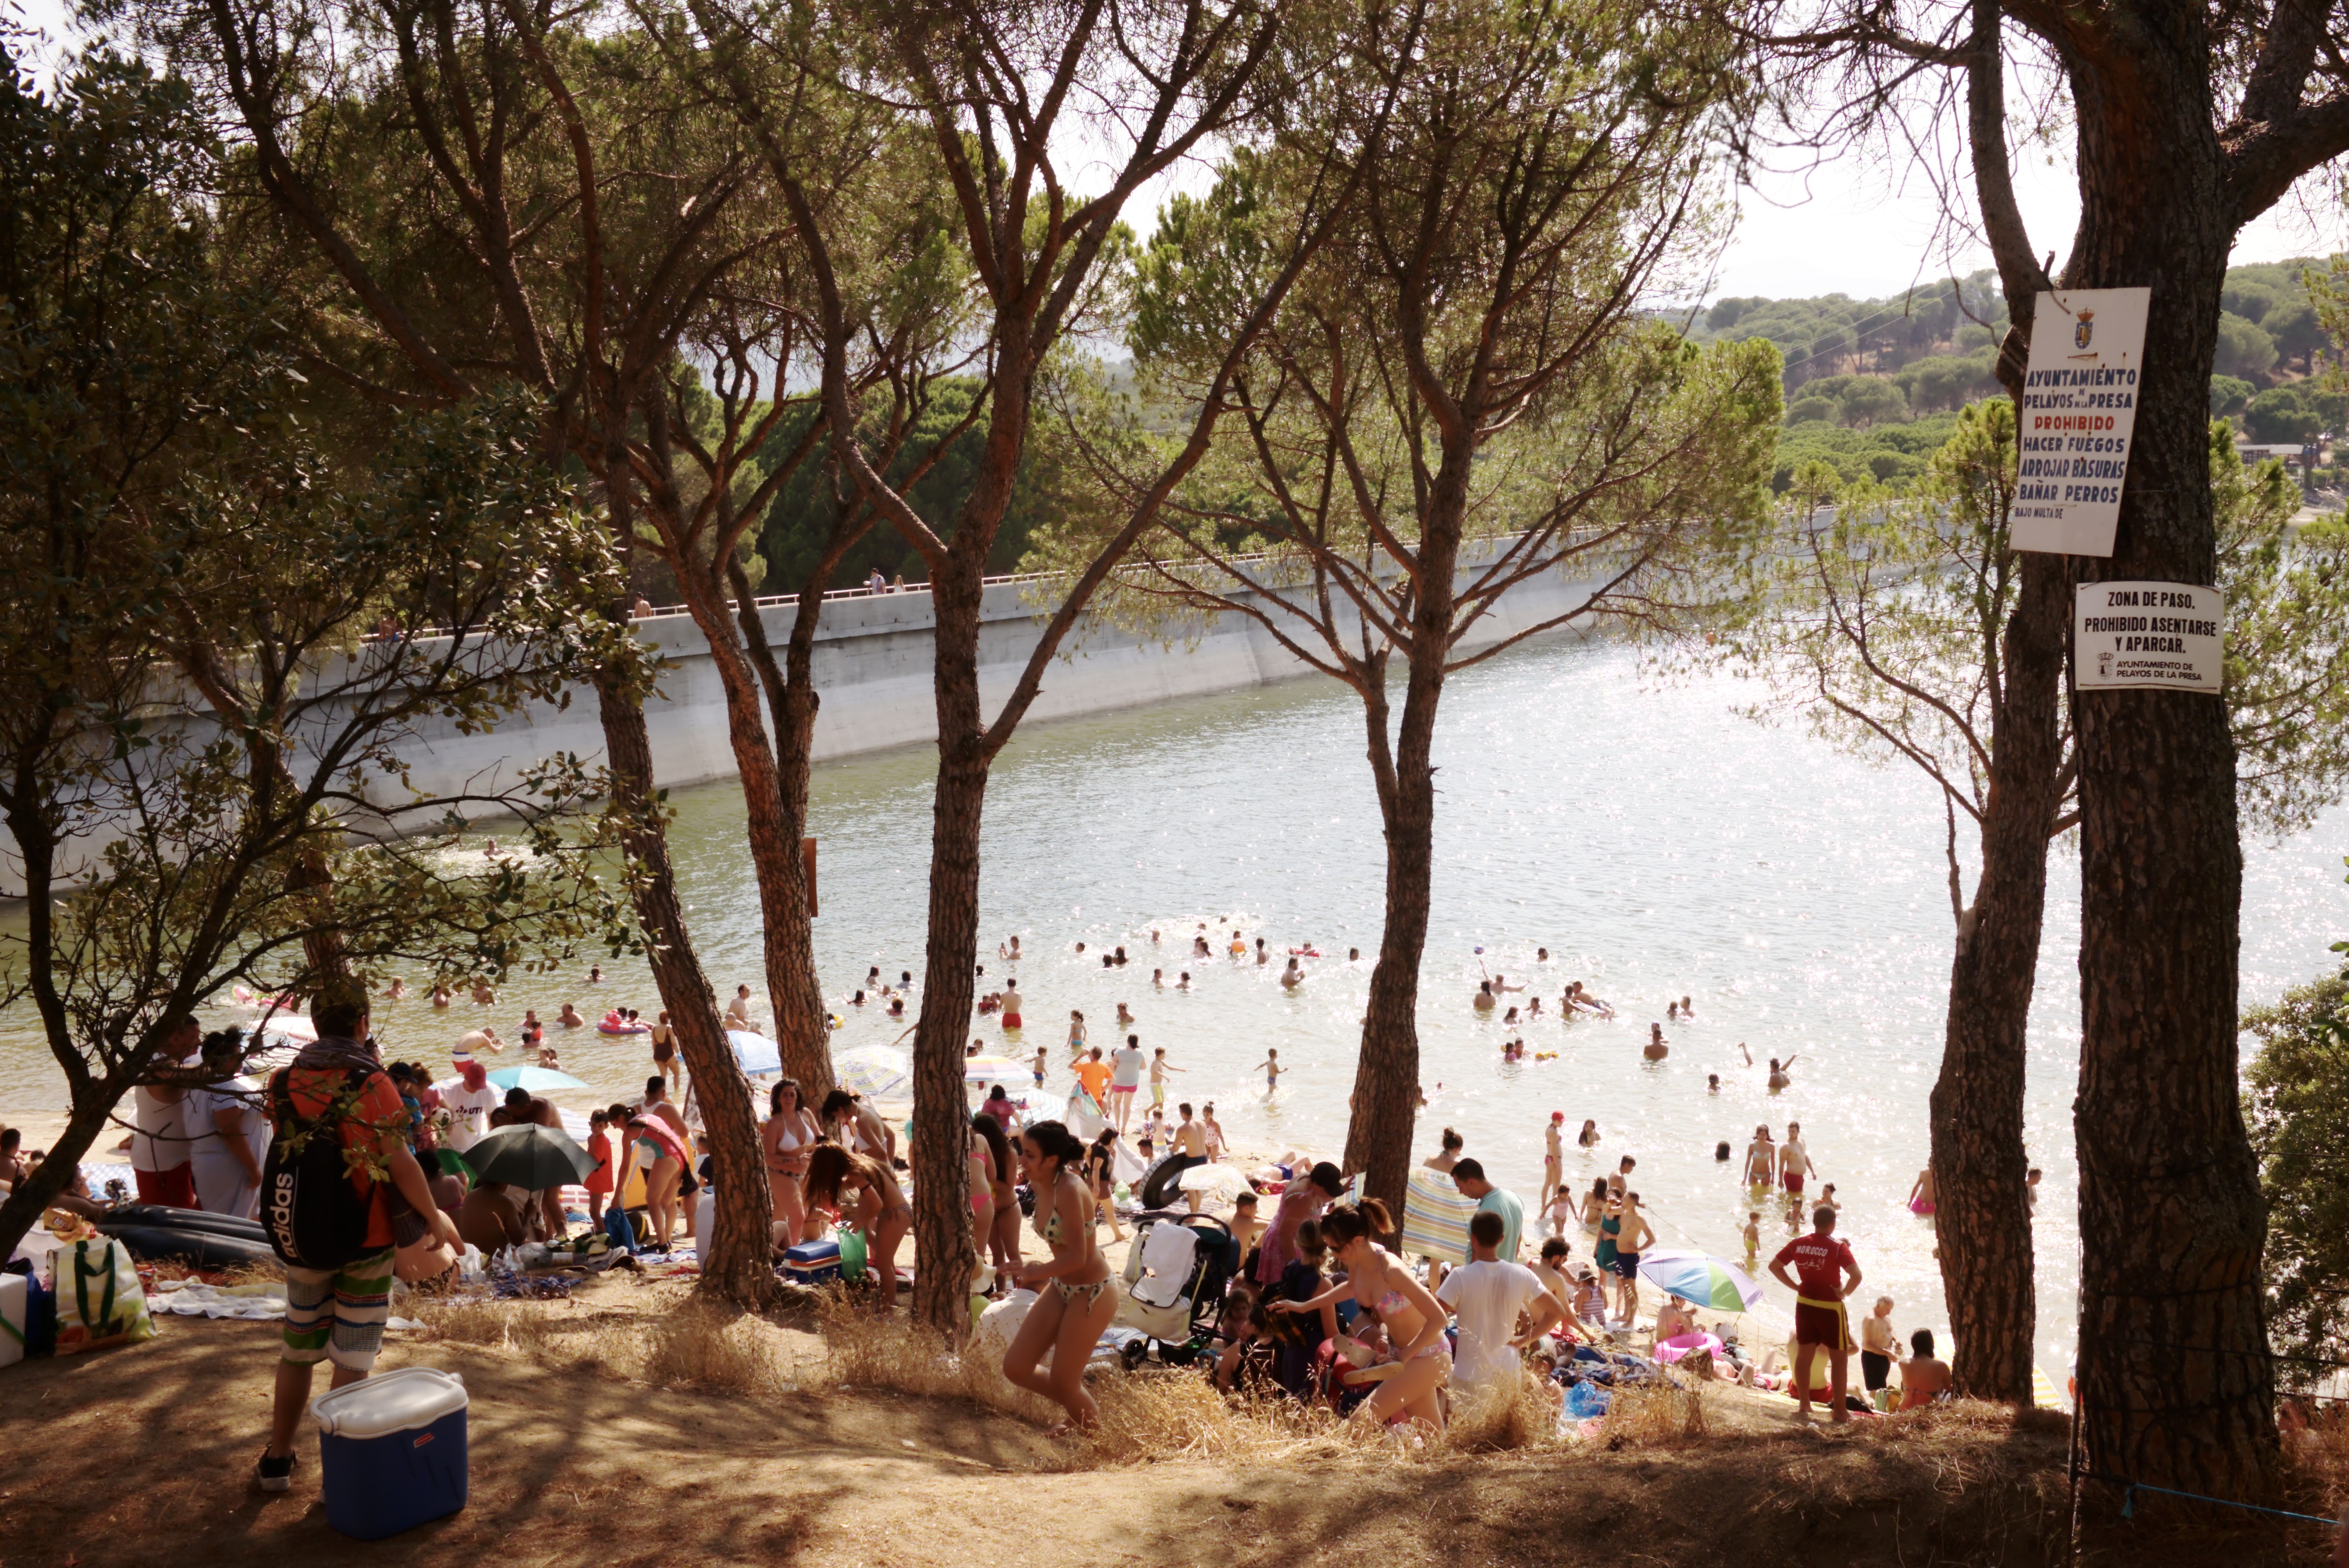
x: 316, y: 1218
x: 99, y: 1301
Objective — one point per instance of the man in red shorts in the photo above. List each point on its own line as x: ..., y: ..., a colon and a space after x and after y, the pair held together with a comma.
x: 1820, y: 1260
x: 161, y: 1142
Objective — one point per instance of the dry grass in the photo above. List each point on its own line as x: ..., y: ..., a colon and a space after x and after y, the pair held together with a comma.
x: 1653, y: 1414
x: 518, y: 1325
x: 1519, y: 1416
x: 704, y: 1347
x: 1158, y: 1414
x: 865, y: 1351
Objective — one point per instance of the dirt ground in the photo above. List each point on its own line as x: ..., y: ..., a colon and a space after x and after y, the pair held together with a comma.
x: 143, y: 1455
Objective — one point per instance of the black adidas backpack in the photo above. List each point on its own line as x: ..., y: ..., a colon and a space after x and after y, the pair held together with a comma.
x: 316, y: 1218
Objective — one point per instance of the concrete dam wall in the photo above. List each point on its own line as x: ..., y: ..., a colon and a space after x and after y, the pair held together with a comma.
x: 873, y: 667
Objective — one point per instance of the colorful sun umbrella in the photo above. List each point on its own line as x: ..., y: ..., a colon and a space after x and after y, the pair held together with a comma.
x: 1699, y: 1278
x: 533, y: 1078
x: 876, y: 1072
x: 993, y: 1070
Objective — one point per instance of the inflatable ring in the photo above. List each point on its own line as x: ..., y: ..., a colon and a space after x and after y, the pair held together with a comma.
x: 156, y: 1216
x: 205, y: 1249
x: 631, y: 1029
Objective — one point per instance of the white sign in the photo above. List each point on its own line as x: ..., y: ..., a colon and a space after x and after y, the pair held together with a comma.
x: 2079, y: 411
x: 2169, y: 636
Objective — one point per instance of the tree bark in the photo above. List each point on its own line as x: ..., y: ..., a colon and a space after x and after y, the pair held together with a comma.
x: 942, y: 1234
x: 1385, y: 1103
x: 802, y: 1027
x: 1386, y: 1079
x: 774, y: 818
x: 1983, y: 1202
x: 736, y: 1262
x: 2176, y: 1385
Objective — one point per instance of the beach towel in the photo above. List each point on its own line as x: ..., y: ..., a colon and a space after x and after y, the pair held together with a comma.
x: 1435, y: 1217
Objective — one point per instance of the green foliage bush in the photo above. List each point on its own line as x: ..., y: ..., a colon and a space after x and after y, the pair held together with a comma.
x: 2296, y: 1103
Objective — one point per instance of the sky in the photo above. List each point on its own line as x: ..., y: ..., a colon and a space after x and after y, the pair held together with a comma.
x: 1849, y: 226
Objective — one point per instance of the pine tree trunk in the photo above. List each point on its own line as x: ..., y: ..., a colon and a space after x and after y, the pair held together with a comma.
x: 803, y: 1029
x: 774, y: 816
x: 2176, y: 1385
x: 942, y: 1234
x: 1981, y: 1202
x: 1386, y: 1077
x: 736, y: 1261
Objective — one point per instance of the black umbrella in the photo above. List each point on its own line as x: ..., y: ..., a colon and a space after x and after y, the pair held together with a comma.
x: 529, y: 1156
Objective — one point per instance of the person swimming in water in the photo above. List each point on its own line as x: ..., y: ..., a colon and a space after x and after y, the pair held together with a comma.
x: 1271, y: 1070
x: 1779, y: 1076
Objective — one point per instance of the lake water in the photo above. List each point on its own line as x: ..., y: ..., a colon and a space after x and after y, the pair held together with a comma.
x: 1655, y: 841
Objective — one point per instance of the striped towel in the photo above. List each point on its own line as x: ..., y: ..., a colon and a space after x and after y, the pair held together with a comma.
x: 1435, y: 1217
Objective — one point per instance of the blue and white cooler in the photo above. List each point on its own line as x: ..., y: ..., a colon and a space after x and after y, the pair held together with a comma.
x: 812, y: 1262
x: 391, y: 1451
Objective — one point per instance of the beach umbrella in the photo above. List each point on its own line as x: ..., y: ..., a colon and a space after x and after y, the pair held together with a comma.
x: 533, y: 1078
x: 757, y: 1053
x: 1699, y: 1278
x: 993, y: 1070
x: 531, y: 1157
x: 876, y: 1072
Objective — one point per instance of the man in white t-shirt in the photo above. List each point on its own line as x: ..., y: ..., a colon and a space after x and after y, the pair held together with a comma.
x: 470, y: 1104
x: 161, y: 1145
x: 1488, y: 1297
x: 1124, y: 1078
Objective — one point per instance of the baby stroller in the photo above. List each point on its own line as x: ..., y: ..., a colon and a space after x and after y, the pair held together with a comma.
x: 1178, y: 1269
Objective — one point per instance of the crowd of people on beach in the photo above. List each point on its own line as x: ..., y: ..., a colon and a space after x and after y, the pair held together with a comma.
x: 1327, y: 1303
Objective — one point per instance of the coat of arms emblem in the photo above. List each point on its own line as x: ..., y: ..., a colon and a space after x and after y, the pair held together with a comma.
x: 2084, y: 327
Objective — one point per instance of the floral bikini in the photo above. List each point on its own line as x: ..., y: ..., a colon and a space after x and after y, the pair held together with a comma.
x: 1049, y: 1227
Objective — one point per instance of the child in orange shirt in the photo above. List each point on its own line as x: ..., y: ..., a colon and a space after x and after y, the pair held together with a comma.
x: 599, y: 1180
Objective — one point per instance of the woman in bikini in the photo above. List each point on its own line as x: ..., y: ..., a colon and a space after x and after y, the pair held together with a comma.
x: 981, y: 1159
x: 1920, y: 1196
x: 1003, y: 1233
x: 788, y: 1139
x: 1075, y: 1297
x: 1409, y: 1385
x: 865, y: 1193
x: 655, y: 1149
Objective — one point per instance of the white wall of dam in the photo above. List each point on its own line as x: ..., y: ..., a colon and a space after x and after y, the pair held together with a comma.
x: 873, y: 668
x: 872, y: 660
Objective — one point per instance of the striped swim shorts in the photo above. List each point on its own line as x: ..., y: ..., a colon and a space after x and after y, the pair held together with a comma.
x: 337, y: 1314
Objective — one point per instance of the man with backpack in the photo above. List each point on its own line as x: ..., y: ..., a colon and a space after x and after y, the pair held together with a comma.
x: 337, y: 1153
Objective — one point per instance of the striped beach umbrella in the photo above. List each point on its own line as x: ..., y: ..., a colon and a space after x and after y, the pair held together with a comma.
x: 1699, y: 1278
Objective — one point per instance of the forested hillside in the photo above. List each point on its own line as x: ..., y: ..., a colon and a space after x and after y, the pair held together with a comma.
x: 1872, y: 384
